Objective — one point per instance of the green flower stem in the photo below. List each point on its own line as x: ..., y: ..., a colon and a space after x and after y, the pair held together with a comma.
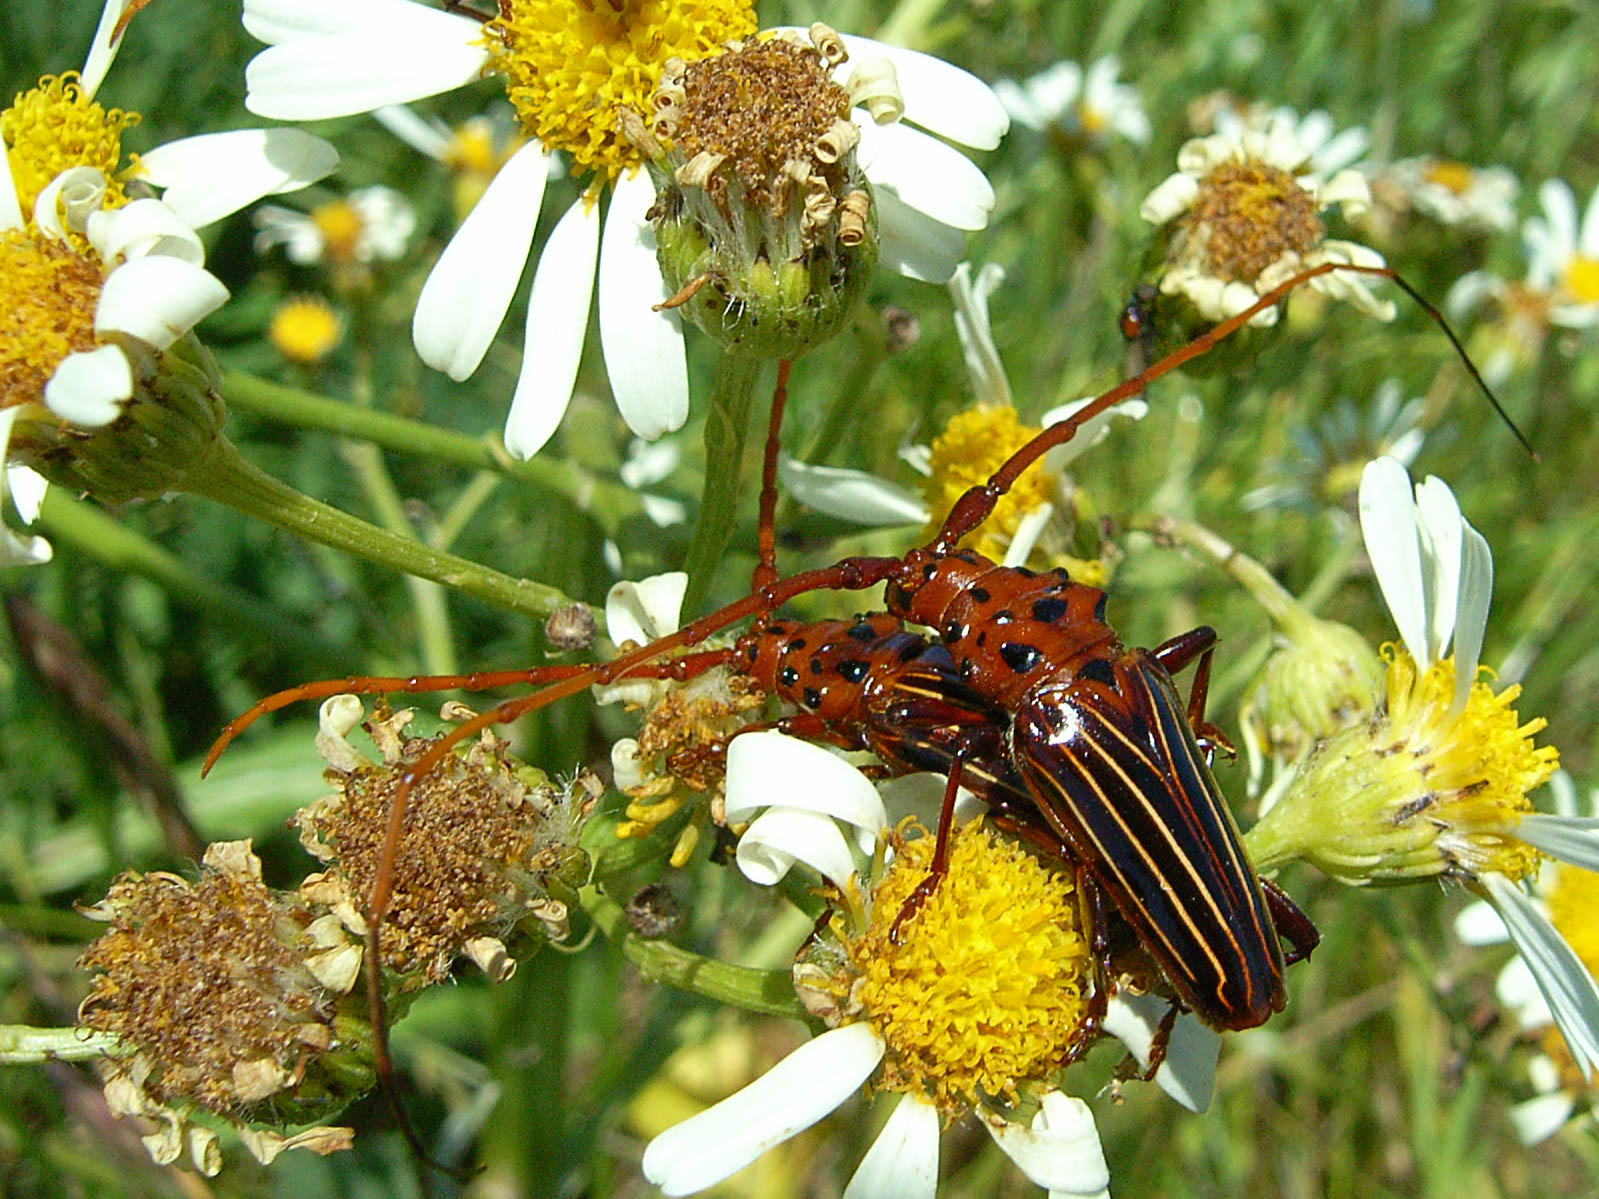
x: 768, y: 991
x: 97, y: 535
x: 726, y: 428
x: 606, y: 502
x: 22, y: 1045
x: 229, y: 479
x: 1286, y: 612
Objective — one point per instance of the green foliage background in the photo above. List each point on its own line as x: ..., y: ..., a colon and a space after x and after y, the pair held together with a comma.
x: 1391, y: 1072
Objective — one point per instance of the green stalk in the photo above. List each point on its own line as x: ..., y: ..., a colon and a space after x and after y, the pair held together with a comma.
x: 22, y: 1045
x: 726, y: 428
x: 230, y: 480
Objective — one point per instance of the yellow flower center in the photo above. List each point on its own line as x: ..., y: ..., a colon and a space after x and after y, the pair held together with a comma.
x: 304, y: 329
x: 1248, y: 215
x: 1574, y: 911
x: 1473, y: 767
x: 974, y: 444
x: 573, y: 65
x: 48, y: 294
x: 1456, y: 176
x: 471, y: 148
x: 55, y: 126
x: 1093, y: 121
x: 988, y: 985
x: 341, y: 227
x: 1581, y: 280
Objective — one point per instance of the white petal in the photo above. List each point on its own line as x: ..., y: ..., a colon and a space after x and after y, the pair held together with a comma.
x: 647, y: 610
x: 1573, y: 839
x: 915, y: 245
x: 790, y: 1097
x: 989, y: 385
x: 1055, y: 89
x: 1439, y: 530
x: 1028, y: 530
x: 1061, y: 1151
x: 274, y: 21
x: 426, y: 136
x: 102, y: 50
x: 853, y: 495
x: 27, y: 485
x: 88, y: 386
x: 780, y: 837
x: 1517, y: 989
x: 1478, y: 924
x: 1188, y: 1074
x: 1565, y: 982
x: 1388, y: 524
x: 932, y: 177
x: 770, y: 768
x: 1539, y: 1119
x: 1471, y: 612
x: 1019, y: 105
x: 1092, y: 431
x: 141, y: 229
x: 557, y: 320
x: 938, y: 96
x: 1560, y: 206
x: 215, y: 174
x: 1171, y: 196
x: 644, y: 356
x: 26, y: 495
x: 1348, y: 188
x: 10, y: 205
x: 903, y: 1162
x: 77, y: 192
x: 1588, y: 237
x: 157, y: 299
x: 464, y: 300
x: 339, y: 76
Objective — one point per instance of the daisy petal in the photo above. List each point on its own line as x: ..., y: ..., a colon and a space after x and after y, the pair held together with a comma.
x: 1171, y: 196
x: 903, y: 1162
x: 1061, y: 1151
x: 1388, y: 524
x: 557, y: 320
x: 1560, y: 206
x: 210, y: 176
x: 10, y: 206
x: 1471, y: 613
x: 930, y: 176
x: 790, y: 1097
x: 89, y: 386
x: 274, y: 21
x: 102, y: 50
x: 644, y: 356
x: 27, y: 485
x: 1188, y: 1074
x: 1478, y: 924
x: 938, y: 96
x: 1560, y: 974
x: 310, y: 79
x: 769, y: 768
x: 1573, y: 839
x: 157, y: 299
x: 142, y: 229
x: 1518, y: 992
x: 1439, y: 530
x: 1588, y: 238
x: 429, y: 137
x: 464, y: 300
x: 1539, y: 1119
x: 853, y: 495
x: 914, y: 245
x: 647, y: 610
x: 780, y: 837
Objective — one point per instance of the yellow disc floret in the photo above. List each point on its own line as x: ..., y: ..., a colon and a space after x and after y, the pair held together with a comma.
x: 974, y: 445
x: 55, y: 126
x: 573, y: 65
x: 48, y: 294
x: 1574, y: 911
x: 1581, y: 280
x: 1247, y: 216
x: 304, y: 329
x: 988, y: 984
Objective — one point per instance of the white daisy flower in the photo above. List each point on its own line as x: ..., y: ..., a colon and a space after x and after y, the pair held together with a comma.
x: 570, y: 71
x: 1244, y: 214
x: 1329, y: 149
x: 1453, y: 193
x: 1436, y: 783
x: 917, y: 1018
x: 974, y: 444
x: 1563, y: 256
x: 1089, y: 104
x: 75, y: 285
x: 371, y: 224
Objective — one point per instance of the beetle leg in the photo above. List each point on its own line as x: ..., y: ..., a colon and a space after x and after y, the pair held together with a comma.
x: 1177, y: 653
x: 940, y: 863
x: 1291, y: 922
x: 1160, y: 1042
x: 1092, y: 918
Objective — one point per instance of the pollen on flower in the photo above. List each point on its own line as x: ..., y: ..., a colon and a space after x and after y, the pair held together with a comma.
x: 55, y: 126
x: 1580, y: 280
x: 304, y: 329
x: 1456, y: 176
x: 573, y: 65
x: 989, y: 982
x: 1574, y: 911
x: 341, y: 226
x: 1247, y: 215
x: 973, y: 445
x: 48, y: 294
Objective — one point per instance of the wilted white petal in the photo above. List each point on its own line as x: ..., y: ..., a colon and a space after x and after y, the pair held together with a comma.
x: 930, y: 176
x: 76, y: 192
x: 769, y: 768
x: 790, y: 1097
x: 1388, y: 524
x: 214, y: 174
x: 938, y: 96
x: 646, y: 610
x: 557, y: 320
x: 1060, y: 1151
x: 913, y: 244
x: 157, y: 299
x: 1540, y: 1118
x: 903, y: 1161
x: 852, y: 495
x: 1573, y: 839
x: 780, y: 837
x: 143, y: 228
x: 465, y: 298
x: 644, y: 356
x: 89, y: 387
x: 1560, y: 974
x: 1188, y: 1074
